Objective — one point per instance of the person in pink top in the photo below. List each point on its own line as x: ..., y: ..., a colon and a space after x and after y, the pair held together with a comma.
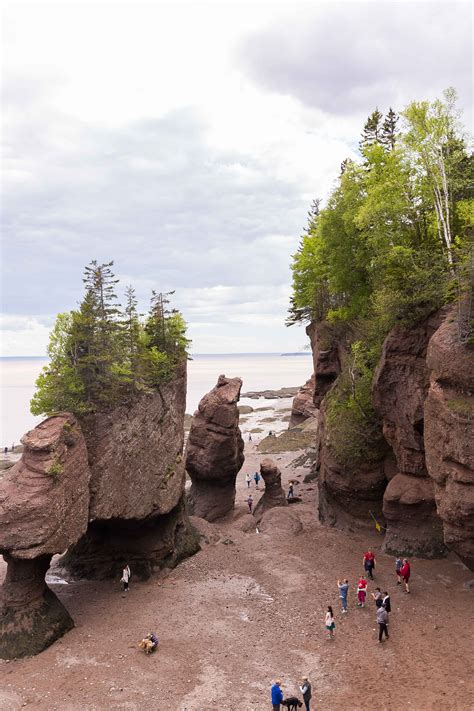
x: 361, y: 591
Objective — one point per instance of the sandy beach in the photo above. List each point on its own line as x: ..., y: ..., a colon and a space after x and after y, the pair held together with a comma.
x: 249, y: 607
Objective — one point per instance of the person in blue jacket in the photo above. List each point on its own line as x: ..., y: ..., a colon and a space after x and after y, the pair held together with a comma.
x: 277, y: 695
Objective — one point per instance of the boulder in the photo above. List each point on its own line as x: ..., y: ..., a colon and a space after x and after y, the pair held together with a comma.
x: 215, y: 451
x: 449, y: 436
x: 44, y: 505
x: 303, y: 406
x: 400, y: 389
x: 273, y: 494
x: 281, y: 522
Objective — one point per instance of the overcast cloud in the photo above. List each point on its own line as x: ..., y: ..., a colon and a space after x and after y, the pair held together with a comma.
x: 186, y: 143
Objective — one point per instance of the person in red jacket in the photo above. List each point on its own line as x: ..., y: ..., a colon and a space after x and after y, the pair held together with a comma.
x: 405, y: 574
x: 368, y: 562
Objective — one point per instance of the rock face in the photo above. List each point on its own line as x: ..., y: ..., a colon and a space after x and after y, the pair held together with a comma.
x: 303, y: 406
x: 273, y: 494
x: 347, y: 492
x: 449, y: 436
x: 137, y: 512
x: 400, y: 388
x: 214, y: 451
x: 328, y: 352
x: 44, y: 506
x: 108, y: 493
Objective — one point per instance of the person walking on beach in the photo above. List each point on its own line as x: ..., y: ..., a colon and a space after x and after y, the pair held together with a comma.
x: 377, y: 595
x: 329, y: 622
x: 126, y: 575
x: 248, y: 479
x: 277, y: 695
x: 369, y: 563
x: 361, y: 591
x: 386, y: 601
x: 291, y: 492
x: 382, y: 621
x: 5, y: 451
x: 257, y: 478
x: 250, y: 437
x: 343, y: 591
x: 405, y: 573
x: 250, y: 502
x: 398, y: 567
x: 305, y: 688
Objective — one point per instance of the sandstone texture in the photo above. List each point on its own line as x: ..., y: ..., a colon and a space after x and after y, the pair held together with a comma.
x: 214, y: 451
x: 303, y: 406
x: 273, y: 494
x: 328, y: 353
x: 44, y: 505
x: 137, y: 468
x: 105, y: 493
x: 347, y: 494
x: 137, y: 514
x: 400, y: 389
x: 449, y: 436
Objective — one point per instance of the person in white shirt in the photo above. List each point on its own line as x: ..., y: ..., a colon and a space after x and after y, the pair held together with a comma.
x: 126, y: 575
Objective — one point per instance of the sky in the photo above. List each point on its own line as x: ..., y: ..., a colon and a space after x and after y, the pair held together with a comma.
x: 186, y: 142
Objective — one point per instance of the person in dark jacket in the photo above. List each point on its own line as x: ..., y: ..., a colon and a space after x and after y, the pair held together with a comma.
x: 305, y: 688
x: 386, y: 601
x: 277, y: 695
x: 382, y: 621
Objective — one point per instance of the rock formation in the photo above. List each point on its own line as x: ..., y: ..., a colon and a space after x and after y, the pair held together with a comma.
x: 214, y: 451
x: 347, y: 492
x: 400, y: 388
x: 273, y: 494
x: 303, y: 406
x: 109, y: 492
x: 449, y: 436
x: 137, y: 512
x: 44, y: 507
x: 328, y: 352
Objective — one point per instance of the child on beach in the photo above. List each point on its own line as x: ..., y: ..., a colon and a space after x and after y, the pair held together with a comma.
x: 361, y: 591
x: 250, y: 502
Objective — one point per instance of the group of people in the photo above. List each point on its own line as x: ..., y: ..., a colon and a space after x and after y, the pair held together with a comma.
x: 382, y: 606
x: 291, y: 701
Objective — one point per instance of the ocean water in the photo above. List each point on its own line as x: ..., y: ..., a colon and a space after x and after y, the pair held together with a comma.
x: 259, y: 371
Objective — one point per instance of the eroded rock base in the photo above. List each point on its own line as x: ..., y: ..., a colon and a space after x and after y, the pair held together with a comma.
x: 31, y: 616
x: 147, y: 546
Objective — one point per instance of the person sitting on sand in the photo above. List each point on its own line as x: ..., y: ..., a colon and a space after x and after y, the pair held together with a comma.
x: 149, y: 643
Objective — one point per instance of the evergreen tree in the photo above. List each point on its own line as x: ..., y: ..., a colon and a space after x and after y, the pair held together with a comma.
x: 372, y: 130
x: 156, y: 325
x: 389, y: 129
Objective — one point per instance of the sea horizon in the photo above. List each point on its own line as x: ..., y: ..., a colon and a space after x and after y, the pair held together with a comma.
x: 259, y: 371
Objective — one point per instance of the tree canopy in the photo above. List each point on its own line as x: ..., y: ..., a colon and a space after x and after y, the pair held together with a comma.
x: 101, y: 356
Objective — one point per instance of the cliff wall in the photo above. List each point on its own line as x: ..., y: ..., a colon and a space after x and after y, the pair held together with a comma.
x: 422, y: 488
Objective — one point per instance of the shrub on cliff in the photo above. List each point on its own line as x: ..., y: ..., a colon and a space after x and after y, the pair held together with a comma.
x: 100, y: 357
